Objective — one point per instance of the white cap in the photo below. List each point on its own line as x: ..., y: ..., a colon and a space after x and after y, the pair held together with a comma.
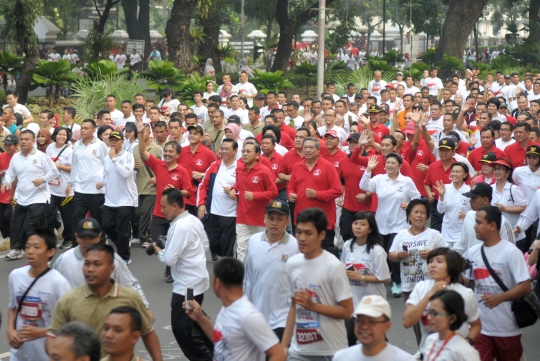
x: 373, y: 306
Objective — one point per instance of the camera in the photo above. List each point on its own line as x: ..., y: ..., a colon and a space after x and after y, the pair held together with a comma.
x: 150, y: 250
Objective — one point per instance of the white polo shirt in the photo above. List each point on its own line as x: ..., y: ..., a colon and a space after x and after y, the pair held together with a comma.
x: 25, y: 169
x: 85, y: 158
x: 119, y: 180
x: 122, y: 121
x: 242, y: 114
x: 116, y: 116
x: 221, y: 204
x: 21, y: 109
x: 265, y: 281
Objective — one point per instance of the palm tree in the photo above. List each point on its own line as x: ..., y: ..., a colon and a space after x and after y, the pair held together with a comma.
x: 10, y: 66
x: 53, y: 76
x: 162, y: 74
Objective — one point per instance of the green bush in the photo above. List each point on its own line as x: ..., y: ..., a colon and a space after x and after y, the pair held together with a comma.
x: 266, y: 81
x: 193, y: 82
x: 360, y: 78
x: 162, y: 74
x: 428, y: 56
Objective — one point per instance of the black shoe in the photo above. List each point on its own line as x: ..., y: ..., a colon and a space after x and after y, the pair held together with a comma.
x: 66, y: 244
x: 169, y: 279
x: 215, y: 257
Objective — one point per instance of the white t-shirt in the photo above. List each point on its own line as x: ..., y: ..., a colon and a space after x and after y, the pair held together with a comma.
x: 54, y: 57
x: 457, y: 349
x: 120, y: 60
x: 169, y: 106
x: 117, y: 116
x: 508, y: 262
x: 221, y: 204
x: 501, y: 90
x: 390, y: 352
x: 265, y: 280
x: 412, y: 90
x: 134, y: 59
x: 37, y: 309
x: 326, y: 279
x: 375, y: 87
x: 454, y: 203
x: 241, y: 333
x: 247, y: 89
x: 434, y: 85
x: 122, y: 121
x: 501, y: 144
x: 201, y: 113
x: 414, y: 268
x: 369, y: 264
x: 511, y: 196
x: 73, y: 127
x: 420, y: 291
x: 242, y: 114
x: 21, y: 109
x: 58, y: 187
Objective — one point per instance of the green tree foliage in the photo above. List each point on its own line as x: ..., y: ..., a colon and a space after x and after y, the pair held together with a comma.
x: 266, y: 81
x: 53, y: 76
x: 162, y: 74
x: 64, y: 14
x: 10, y: 66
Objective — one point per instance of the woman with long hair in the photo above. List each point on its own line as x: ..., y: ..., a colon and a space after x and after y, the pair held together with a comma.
x: 209, y: 90
x: 452, y: 203
x: 365, y: 261
x: 61, y: 154
x: 445, y: 315
x: 445, y: 267
x: 168, y: 103
x: 411, y: 248
x: 394, y: 192
x: 507, y: 196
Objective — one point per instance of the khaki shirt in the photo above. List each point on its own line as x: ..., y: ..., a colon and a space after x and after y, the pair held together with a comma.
x: 81, y: 304
x: 143, y: 176
x: 256, y: 130
x: 216, y: 135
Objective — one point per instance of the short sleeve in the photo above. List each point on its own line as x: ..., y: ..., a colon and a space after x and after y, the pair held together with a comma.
x: 12, y: 295
x: 290, y: 284
x: 59, y: 318
x: 258, y: 332
x: 517, y: 266
x: 396, y: 244
x: 341, y: 288
x: 471, y: 306
x: 417, y: 293
x: 147, y: 324
x: 380, y: 266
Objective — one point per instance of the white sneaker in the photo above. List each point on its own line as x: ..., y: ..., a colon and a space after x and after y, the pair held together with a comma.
x: 135, y: 240
x: 417, y: 355
x: 146, y: 244
x: 15, y: 254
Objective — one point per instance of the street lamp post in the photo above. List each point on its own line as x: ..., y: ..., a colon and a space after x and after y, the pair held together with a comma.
x: 320, y: 54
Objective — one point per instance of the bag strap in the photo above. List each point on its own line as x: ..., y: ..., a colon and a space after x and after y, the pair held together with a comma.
x: 511, y: 195
x: 25, y: 293
x: 491, y: 272
x: 59, y: 154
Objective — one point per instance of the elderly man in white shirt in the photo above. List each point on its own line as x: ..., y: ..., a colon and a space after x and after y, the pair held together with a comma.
x: 32, y: 170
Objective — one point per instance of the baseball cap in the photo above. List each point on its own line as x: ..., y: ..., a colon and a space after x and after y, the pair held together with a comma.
x: 355, y: 137
x: 196, y: 127
x: 384, y: 108
x: 116, y: 134
x: 13, y: 139
x: 88, y: 226
x: 358, y: 96
x: 409, y: 128
x: 399, y: 73
x: 503, y: 105
x: 531, y: 150
x: 260, y: 96
x: 130, y: 126
x: 373, y: 306
x: 391, y: 86
x: 488, y: 158
x: 279, y: 206
x: 332, y: 133
x: 479, y: 189
x: 507, y: 76
x: 501, y: 161
x: 418, y: 106
x: 235, y: 119
x: 374, y: 109
x: 456, y: 112
x: 447, y: 143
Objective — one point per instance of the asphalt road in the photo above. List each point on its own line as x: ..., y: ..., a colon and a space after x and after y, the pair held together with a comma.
x: 149, y: 271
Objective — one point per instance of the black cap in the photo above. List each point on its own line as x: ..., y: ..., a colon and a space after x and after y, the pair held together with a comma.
x: 488, y: 158
x: 456, y: 112
x: 417, y: 106
x: 503, y: 105
x: 356, y: 96
x: 374, y: 109
x: 197, y: 127
x: 480, y: 190
x: 130, y: 126
x: 279, y: 206
x: 447, y: 143
x: 260, y: 96
x: 234, y: 118
x: 11, y: 139
x: 384, y: 108
x: 507, y: 76
x: 116, y: 134
x: 355, y: 137
x: 88, y: 226
x: 531, y: 150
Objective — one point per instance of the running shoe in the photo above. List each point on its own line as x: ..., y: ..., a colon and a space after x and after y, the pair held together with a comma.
x: 15, y: 254
x: 66, y: 244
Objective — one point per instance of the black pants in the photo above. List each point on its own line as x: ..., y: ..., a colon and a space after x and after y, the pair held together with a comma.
x: 5, y: 219
x: 65, y: 206
x: 221, y: 233
x: 158, y: 227
x: 345, y: 224
x: 84, y: 203
x: 530, y: 236
x: 116, y: 224
x: 282, y: 194
x: 28, y: 218
x: 190, y: 337
x: 394, y: 266
x: 291, y: 208
x: 436, y: 217
x: 193, y: 210
x: 328, y: 243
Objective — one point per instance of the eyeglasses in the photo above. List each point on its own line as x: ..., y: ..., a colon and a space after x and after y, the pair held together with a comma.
x: 433, y: 313
x: 367, y: 321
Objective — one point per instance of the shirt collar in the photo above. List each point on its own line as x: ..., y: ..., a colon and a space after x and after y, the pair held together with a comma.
x: 78, y: 252
x: 184, y: 214
x: 114, y: 292
x: 283, y: 240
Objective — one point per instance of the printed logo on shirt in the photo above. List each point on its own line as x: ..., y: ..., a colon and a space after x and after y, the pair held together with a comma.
x: 317, y: 172
x: 94, y: 151
x: 284, y: 257
x: 308, y: 325
x: 362, y: 168
x: 400, y: 189
x: 420, y: 152
x: 34, y: 161
x: 255, y: 179
x: 274, y: 166
x: 221, y: 349
x: 336, y: 164
x: 175, y: 177
x: 199, y: 162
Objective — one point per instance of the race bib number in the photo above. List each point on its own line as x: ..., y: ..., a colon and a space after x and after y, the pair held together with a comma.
x: 55, y: 183
x: 306, y: 336
x: 31, y: 309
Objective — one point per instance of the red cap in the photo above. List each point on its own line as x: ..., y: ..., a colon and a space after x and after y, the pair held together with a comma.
x: 409, y: 128
x: 333, y: 133
x: 501, y: 161
x: 390, y: 86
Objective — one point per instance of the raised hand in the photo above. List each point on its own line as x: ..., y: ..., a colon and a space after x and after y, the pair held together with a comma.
x: 440, y: 187
x: 364, y: 138
x: 373, y: 162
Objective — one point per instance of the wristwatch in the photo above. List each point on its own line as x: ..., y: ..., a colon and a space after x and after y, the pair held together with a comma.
x: 470, y: 340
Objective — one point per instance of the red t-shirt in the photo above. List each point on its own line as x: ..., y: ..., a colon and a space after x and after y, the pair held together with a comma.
x: 333, y: 158
x: 351, y: 173
x: 436, y: 172
x: 198, y: 162
x: 262, y: 183
x: 288, y: 130
x: 463, y: 149
x: 285, y: 140
x: 276, y: 161
x: 289, y: 161
x: 422, y: 155
x: 476, y: 155
x: 5, y: 159
x: 178, y: 177
x: 380, y: 130
x: 324, y: 179
x: 516, y: 154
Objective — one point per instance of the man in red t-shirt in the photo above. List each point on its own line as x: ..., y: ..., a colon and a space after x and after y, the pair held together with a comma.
x: 196, y: 158
x: 487, y: 138
x: 419, y: 154
x: 268, y: 146
x: 516, y: 152
x: 10, y: 148
x: 315, y: 183
x: 376, y: 127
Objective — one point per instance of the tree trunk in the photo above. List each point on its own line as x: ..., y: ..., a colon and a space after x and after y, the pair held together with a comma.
x: 99, y: 24
x: 476, y: 50
x: 138, y: 24
x: 177, y: 32
x: 461, y: 16
x: 401, y: 28
x: 210, y: 26
x: 24, y: 82
x: 534, y: 19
